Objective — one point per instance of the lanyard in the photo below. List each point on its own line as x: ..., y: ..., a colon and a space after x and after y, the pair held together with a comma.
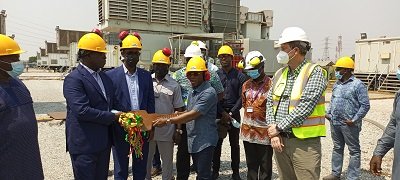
x: 254, y: 96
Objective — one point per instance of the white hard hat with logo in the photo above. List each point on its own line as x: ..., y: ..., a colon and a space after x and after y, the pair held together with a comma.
x: 293, y: 34
x: 202, y: 45
x: 192, y: 50
x: 253, y: 59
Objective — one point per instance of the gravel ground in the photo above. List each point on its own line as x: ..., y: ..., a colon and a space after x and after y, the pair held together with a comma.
x: 57, y: 164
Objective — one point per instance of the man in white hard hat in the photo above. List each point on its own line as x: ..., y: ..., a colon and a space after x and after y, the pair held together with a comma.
x: 204, y: 53
x: 296, y: 109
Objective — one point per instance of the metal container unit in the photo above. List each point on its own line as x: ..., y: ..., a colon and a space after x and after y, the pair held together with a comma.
x: 151, y: 42
x: 380, y: 56
x: 45, y: 63
x: 268, y: 49
x: 174, y: 16
x: 112, y: 56
x: 72, y: 54
x: 58, y: 61
x: 224, y: 16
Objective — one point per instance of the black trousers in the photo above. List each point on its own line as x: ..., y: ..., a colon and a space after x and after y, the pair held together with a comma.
x: 183, y: 157
x: 235, y: 149
x: 259, y: 161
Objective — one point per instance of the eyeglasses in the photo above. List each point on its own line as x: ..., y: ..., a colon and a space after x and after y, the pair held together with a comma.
x: 338, y: 69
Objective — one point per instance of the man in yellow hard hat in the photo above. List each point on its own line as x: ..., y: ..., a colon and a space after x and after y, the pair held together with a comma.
x: 349, y: 105
x: 296, y: 109
x: 90, y: 97
x: 134, y: 91
x: 202, y: 136
x: 168, y: 99
x: 183, y: 167
x: 229, y: 108
x: 19, y: 147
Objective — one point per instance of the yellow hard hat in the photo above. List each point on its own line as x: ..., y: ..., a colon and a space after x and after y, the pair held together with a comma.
x: 131, y: 41
x: 8, y: 46
x: 162, y: 56
x: 196, y: 64
x: 240, y: 65
x: 345, y: 62
x: 92, y: 42
x: 225, y: 49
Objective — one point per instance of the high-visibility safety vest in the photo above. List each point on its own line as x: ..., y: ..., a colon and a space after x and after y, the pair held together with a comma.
x: 314, y: 124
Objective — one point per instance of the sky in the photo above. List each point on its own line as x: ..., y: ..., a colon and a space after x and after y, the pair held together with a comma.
x: 33, y: 22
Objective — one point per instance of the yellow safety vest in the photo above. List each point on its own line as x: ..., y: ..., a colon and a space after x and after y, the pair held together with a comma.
x: 313, y: 125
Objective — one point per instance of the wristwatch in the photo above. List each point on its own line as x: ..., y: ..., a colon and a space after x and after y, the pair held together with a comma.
x: 179, y: 131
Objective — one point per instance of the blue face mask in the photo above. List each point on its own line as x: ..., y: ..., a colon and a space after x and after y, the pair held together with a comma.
x: 338, y: 75
x: 17, y: 68
x: 253, y: 74
x: 398, y: 74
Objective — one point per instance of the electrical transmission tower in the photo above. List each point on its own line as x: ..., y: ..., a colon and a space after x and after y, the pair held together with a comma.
x: 325, y: 55
x: 3, y: 16
x: 339, y: 47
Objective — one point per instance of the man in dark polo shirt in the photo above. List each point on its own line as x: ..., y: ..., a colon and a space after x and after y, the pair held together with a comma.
x: 228, y: 108
x: 200, y: 117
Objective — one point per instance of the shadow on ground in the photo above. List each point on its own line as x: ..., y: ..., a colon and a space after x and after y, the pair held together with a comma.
x: 46, y: 107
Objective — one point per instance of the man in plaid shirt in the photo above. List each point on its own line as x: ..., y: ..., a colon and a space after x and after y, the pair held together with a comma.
x: 298, y: 156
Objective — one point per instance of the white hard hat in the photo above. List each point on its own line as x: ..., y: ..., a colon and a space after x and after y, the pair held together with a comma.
x: 293, y: 34
x: 253, y: 59
x: 202, y: 45
x: 192, y: 51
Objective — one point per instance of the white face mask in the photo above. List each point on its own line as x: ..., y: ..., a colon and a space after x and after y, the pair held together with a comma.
x: 283, y: 57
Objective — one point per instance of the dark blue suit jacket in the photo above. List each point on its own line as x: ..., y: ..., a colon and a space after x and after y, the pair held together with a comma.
x: 146, y: 91
x: 89, y: 120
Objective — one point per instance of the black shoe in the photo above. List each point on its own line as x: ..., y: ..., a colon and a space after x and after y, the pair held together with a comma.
x: 215, y: 175
x: 236, y: 176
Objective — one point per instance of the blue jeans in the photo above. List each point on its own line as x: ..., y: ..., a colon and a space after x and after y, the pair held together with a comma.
x: 349, y: 135
x: 202, y: 161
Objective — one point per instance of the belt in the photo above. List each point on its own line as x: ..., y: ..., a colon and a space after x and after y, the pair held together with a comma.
x: 287, y: 135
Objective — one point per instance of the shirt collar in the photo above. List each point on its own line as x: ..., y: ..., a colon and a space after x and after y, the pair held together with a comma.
x: 350, y: 79
x: 88, y: 69
x: 127, y: 72
x: 201, y: 87
x: 166, y: 78
x: 298, y: 68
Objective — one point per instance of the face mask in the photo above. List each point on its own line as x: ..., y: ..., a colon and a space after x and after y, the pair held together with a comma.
x: 235, y: 123
x: 17, y: 68
x: 283, y: 57
x: 338, y: 75
x: 253, y: 74
x: 398, y: 74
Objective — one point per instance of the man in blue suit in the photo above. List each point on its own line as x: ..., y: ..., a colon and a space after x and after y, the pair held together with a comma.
x: 134, y: 91
x: 89, y: 94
